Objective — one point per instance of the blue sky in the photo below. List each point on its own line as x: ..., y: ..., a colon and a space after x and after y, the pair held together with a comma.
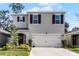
x: 70, y: 8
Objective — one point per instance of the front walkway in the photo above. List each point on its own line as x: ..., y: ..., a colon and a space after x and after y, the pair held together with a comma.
x: 46, y: 51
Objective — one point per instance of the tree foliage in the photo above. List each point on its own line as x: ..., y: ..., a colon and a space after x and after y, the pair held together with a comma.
x: 66, y: 27
x: 14, y: 36
x: 16, y: 7
x: 5, y: 19
x: 75, y: 29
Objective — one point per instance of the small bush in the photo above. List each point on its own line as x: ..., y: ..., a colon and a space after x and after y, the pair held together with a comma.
x: 24, y: 46
x: 64, y: 43
x: 4, y: 48
x: 70, y: 46
x: 30, y: 42
x: 9, y: 46
x: 33, y: 45
x: 75, y: 46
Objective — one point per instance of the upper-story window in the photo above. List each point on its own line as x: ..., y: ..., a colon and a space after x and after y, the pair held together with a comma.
x: 57, y: 19
x: 23, y: 19
x: 20, y: 19
x: 35, y: 19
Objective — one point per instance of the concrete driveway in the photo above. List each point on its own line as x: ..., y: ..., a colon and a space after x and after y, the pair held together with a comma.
x: 46, y: 51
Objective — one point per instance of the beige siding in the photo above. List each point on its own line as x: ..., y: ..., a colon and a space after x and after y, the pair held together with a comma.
x: 20, y: 24
x: 46, y: 25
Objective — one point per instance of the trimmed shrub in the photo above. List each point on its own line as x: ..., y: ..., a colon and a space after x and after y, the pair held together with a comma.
x: 75, y: 46
x: 24, y: 46
x: 30, y: 42
x: 70, y: 46
x: 4, y: 48
x: 33, y: 45
x: 9, y: 46
x: 64, y: 43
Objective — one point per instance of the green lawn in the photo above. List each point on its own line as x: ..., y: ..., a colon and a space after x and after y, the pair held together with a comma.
x: 74, y: 49
x: 17, y: 52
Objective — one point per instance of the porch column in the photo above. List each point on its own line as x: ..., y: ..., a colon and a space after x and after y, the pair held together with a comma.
x: 24, y: 39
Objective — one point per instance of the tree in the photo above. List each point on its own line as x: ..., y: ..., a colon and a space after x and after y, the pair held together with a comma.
x: 16, y: 7
x: 4, y: 19
x: 75, y: 29
x: 14, y: 36
x: 66, y: 27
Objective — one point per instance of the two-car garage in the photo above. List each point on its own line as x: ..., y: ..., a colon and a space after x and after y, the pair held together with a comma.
x: 47, y: 40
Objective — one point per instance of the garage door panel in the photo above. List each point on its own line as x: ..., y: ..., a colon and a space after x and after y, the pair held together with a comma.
x: 47, y: 40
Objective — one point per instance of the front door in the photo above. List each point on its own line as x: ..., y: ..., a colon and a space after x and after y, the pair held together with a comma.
x: 74, y: 39
x: 20, y: 38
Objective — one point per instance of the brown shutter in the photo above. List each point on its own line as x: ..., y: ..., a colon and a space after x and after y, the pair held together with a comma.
x: 53, y: 19
x: 23, y: 19
x: 30, y: 19
x: 39, y: 19
x: 17, y: 19
x: 62, y: 19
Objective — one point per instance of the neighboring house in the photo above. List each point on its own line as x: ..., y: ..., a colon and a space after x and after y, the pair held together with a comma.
x: 4, y: 37
x: 73, y: 37
x: 45, y: 28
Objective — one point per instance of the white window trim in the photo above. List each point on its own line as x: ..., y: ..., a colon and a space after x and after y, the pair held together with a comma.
x: 34, y: 19
x: 58, y: 19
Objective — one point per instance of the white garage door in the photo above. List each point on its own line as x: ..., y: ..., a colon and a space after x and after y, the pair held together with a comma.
x: 49, y: 40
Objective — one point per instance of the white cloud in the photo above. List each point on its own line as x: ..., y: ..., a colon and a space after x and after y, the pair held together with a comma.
x: 54, y: 6
x: 47, y: 7
x: 41, y: 9
x: 60, y: 7
x: 48, y: 4
x: 35, y: 9
x: 24, y: 12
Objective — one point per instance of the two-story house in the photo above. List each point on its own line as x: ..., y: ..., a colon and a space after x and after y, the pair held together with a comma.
x: 45, y: 28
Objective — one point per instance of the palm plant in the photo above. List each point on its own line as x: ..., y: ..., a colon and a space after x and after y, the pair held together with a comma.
x: 14, y: 36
